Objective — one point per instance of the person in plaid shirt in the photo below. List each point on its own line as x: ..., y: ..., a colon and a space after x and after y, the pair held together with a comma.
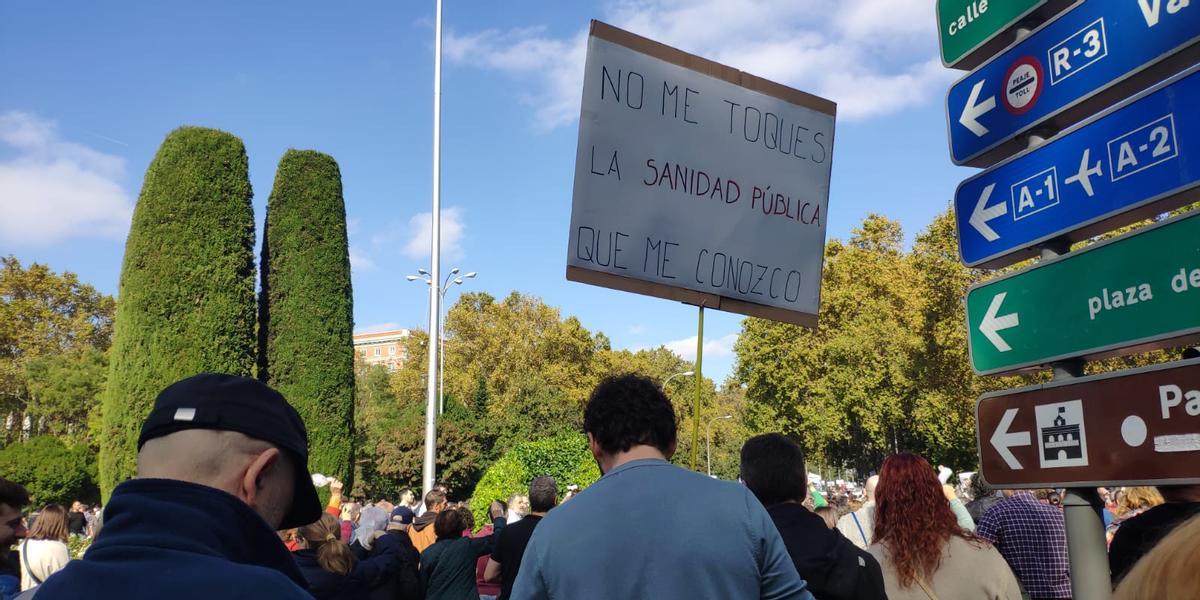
x: 1032, y: 537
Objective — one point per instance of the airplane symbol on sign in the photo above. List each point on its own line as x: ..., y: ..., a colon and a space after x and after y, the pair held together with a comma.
x: 1084, y: 176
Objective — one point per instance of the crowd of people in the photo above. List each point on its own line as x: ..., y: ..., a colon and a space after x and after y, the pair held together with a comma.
x: 223, y: 506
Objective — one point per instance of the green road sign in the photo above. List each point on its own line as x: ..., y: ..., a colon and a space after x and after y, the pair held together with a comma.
x: 965, y: 26
x: 1136, y: 292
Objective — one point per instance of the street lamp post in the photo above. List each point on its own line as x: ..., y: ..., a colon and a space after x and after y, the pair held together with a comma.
x: 451, y: 279
x: 708, y: 433
x: 683, y: 374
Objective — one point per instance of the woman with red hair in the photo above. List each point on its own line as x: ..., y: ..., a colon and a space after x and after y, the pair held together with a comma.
x: 924, y: 553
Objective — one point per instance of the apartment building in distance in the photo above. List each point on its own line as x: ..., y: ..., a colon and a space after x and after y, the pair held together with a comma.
x: 381, y: 348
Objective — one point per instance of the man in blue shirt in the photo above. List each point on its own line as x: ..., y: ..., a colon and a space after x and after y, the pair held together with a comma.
x: 649, y: 529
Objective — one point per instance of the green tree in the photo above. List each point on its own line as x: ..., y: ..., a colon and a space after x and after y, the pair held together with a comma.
x: 514, y: 344
x: 44, y: 314
x: 306, y: 312
x: 846, y: 388
x: 375, y: 411
x: 51, y: 470
x: 187, y: 285
x: 944, y: 410
x: 565, y: 457
x: 65, y: 391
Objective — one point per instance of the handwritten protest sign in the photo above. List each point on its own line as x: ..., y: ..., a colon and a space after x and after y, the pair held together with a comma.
x: 699, y: 183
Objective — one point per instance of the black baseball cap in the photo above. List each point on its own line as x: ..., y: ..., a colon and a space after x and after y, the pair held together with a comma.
x: 247, y: 406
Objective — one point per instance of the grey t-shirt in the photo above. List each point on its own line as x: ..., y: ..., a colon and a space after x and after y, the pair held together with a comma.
x: 649, y: 529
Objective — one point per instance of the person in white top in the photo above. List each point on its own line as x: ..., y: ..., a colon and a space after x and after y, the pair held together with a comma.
x: 44, y: 551
x: 859, y: 526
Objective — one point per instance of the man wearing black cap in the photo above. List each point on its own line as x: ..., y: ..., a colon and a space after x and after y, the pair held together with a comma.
x: 222, y: 465
x: 405, y: 583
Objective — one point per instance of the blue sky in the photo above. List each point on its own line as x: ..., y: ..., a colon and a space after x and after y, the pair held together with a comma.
x: 88, y: 90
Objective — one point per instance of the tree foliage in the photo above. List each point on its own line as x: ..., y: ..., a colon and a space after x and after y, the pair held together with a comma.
x: 845, y: 388
x: 43, y: 316
x: 306, y: 313
x: 887, y: 368
x: 564, y: 457
x: 50, y: 470
x: 187, y: 285
x: 65, y: 392
x: 516, y: 370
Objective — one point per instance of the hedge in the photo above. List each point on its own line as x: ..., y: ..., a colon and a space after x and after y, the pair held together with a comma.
x: 306, y: 311
x: 565, y: 457
x: 51, y: 471
x: 186, y: 297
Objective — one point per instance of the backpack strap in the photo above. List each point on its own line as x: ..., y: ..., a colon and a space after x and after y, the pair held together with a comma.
x: 866, y: 542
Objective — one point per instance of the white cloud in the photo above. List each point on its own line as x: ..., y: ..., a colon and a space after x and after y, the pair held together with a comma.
x: 360, y: 262
x: 637, y: 329
x: 872, y: 57
x: 721, y: 347
x: 554, y: 67
x: 410, y: 239
x: 420, y: 235
x: 52, y: 189
x: 377, y: 328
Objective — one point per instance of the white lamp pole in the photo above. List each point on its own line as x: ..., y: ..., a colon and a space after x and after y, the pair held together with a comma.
x: 435, y: 309
x: 708, y: 432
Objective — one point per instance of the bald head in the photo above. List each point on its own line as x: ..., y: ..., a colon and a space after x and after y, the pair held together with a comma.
x: 872, y: 483
x: 255, y: 471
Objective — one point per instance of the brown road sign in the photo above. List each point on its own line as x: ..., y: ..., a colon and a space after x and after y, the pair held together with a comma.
x: 1138, y: 427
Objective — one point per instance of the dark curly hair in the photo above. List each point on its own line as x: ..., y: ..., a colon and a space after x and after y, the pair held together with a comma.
x: 912, y: 518
x: 629, y: 410
x: 773, y: 469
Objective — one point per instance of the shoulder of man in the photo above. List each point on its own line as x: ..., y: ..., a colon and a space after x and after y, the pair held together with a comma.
x: 848, y: 573
x: 239, y: 582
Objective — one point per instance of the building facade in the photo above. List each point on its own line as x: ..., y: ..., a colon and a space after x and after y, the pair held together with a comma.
x: 382, y: 348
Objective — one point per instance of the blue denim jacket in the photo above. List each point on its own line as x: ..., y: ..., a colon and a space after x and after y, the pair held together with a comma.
x: 649, y: 529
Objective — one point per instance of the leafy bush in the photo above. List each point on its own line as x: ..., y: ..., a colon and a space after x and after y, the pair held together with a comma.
x: 187, y: 285
x: 51, y: 471
x: 79, y: 545
x: 306, y: 312
x: 564, y: 457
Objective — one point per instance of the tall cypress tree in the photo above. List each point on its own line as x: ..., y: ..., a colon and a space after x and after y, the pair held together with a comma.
x: 186, y: 297
x: 306, y: 312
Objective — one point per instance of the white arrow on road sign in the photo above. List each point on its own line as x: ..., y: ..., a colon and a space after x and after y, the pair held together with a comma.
x: 984, y: 213
x: 1003, y: 439
x: 972, y: 111
x: 992, y: 324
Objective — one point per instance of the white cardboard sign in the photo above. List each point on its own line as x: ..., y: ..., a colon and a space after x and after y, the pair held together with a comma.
x: 698, y: 182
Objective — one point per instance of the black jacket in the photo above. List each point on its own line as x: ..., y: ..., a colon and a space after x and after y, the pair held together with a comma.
x: 370, y: 572
x: 1141, y: 534
x: 181, y: 541
x: 834, y: 568
x: 405, y: 582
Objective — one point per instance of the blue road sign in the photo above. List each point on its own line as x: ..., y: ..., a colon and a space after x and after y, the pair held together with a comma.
x: 1132, y: 161
x: 1097, y: 53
